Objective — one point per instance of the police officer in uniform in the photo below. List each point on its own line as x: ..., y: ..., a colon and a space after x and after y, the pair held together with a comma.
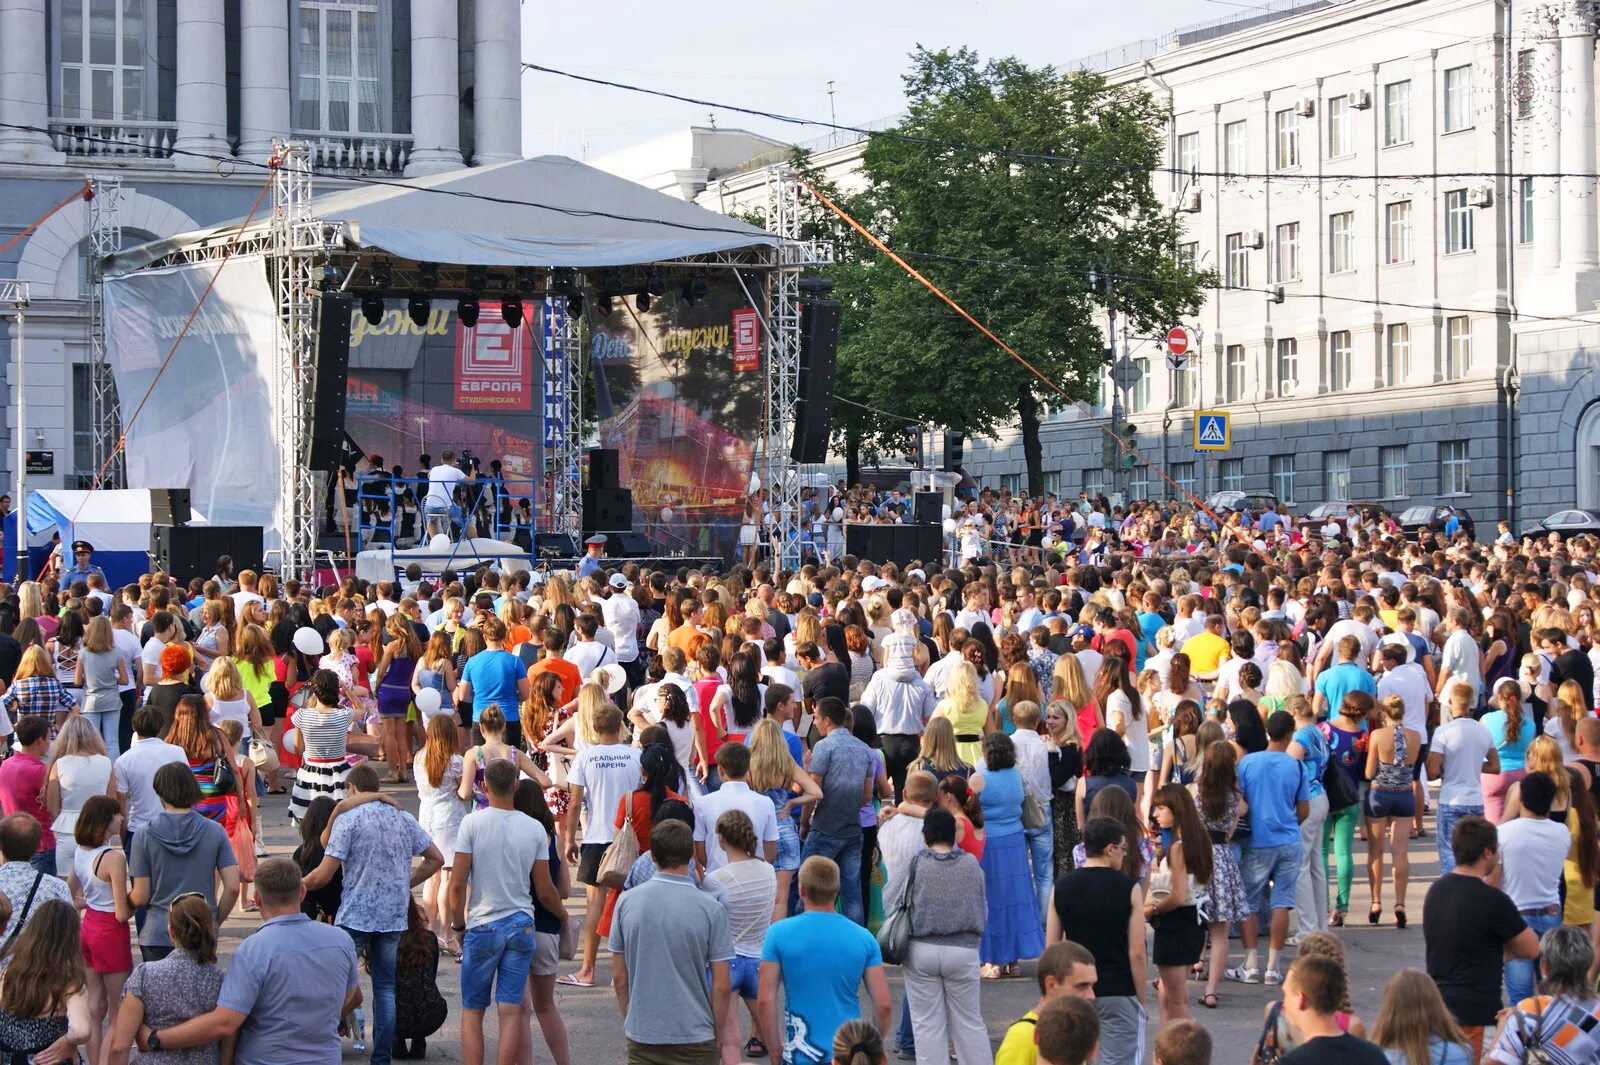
x: 82, y: 551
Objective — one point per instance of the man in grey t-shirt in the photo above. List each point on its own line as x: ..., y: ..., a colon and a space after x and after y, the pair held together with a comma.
x: 843, y: 767
x: 675, y: 1017
x: 491, y: 902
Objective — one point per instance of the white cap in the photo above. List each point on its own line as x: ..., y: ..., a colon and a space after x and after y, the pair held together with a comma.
x: 618, y: 581
x: 873, y: 583
x: 610, y: 677
x: 916, y: 572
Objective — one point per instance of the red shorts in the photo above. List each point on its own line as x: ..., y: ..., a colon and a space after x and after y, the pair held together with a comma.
x: 105, y: 943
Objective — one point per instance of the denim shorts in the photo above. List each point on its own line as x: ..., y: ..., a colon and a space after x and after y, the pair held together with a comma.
x: 1382, y: 802
x: 744, y: 976
x: 1281, y: 865
x: 496, y: 956
x: 788, y: 858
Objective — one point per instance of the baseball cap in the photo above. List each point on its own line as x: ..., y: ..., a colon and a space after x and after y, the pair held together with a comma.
x: 618, y: 581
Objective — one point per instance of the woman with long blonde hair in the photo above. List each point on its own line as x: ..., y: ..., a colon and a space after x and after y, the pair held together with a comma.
x: 775, y: 773
x: 939, y: 754
x: 440, y: 810
x: 35, y: 690
x: 1020, y: 686
x: 1414, y: 1021
x: 227, y: 699
x: 1069, y: 683
x: 80, y: 768
x: 1064, y: 758
x: 1391, y: 752
x: 30, y: 600
x: 967, y: 711
x: 1570, y: 706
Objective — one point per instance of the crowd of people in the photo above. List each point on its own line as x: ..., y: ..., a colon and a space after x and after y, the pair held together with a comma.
x: 1093, y: 766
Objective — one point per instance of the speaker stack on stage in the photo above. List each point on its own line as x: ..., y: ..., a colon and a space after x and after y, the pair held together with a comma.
x: 900, y: 544
x: 819, y: 347
x: 185, y: 551
x: 608, y: 507
x: 333, y: 374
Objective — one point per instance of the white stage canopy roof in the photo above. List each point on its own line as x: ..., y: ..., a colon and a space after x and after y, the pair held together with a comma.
x: 549, y: 211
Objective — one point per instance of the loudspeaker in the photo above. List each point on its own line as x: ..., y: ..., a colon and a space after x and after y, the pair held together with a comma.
x: 605, y: 470
x: 333, y: 375
x: 556, y: 545
x: 169, y: 506
x: 628, y: 545
x: 819, y: 348
x: 902, y: 544
x: 187, y: 551
x: 954, y: 446
x: 607, y: 510
x: 929, y: 508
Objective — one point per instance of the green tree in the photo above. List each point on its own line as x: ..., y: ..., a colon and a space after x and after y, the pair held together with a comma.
x: 1024, y: 243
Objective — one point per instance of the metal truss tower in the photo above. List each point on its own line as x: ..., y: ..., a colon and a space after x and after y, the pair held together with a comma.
x: 105, y: 239
x: 565, y: 363
x: 296, y: 242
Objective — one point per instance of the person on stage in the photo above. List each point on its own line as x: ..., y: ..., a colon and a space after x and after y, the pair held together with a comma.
x: 82, y: 552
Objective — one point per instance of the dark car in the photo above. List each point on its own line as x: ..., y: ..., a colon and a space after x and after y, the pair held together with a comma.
x: 1435, y: 516
x: 1569, y: 521
x: 1254, y: 502
x: 1339, y: 512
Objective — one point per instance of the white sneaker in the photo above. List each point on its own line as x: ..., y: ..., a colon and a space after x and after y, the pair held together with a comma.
x: 1243, y: 975
x: 1274, y: 977
x: 1294, y: 940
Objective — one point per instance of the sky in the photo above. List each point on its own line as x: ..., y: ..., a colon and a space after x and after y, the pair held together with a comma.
x: 780, y: 56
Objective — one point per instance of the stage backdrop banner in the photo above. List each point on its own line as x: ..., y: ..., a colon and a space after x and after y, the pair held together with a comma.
x: 208, y: 424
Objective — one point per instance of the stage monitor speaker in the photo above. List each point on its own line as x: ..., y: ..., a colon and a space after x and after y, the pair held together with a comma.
x: 954, y: 446
x: 187, y: 551
x: 607, y: 510
x: 901, y: 544
x: 556, y: 545
x: 333, y: 374
x: 628, y: 545
x: 605, y: 470
x: 819, y: 348
x: 169, y: 506
x: 929, y: 508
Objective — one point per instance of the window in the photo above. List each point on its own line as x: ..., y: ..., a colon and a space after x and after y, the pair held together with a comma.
x: 1238, y: 257
x: 1232, y: 473
x: 105, y: 48
x: 1336, y: 475
x: 1341, y: 127
x: 1523, y: 90
x: 1286, y: 125
x: 83, y: 432
x: 1286, y: 252
x: 1396, y: 354
x: 1180, y: 386
x: 1396, y: 113
x: 1281, y: 470
x: 1339, y: 360
x: 1397, y: 232
x: 1233, y: 148
x: 1139, y: 482
x: 1455, y: 476
x: 1457, y: 99
x: 1188, y: 160
x: 1094, y: 482
x: 1189, y: 255
x: 336, y: 67
x: 1341, y: 242
x: 1233, y: 365
x: 1392, y: 472
x: 1525, y: 210
x: 1183, y: 474
x: 1288, y: 365
x: 1457, y: 221
x: 1011, y: 482
x: 1458, y: 348
x: 1139, y: 394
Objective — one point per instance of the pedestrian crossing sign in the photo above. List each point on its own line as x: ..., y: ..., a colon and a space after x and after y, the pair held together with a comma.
x: 1212, y: 430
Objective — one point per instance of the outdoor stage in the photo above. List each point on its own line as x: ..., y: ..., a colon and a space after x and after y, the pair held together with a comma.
x: 519, y: 311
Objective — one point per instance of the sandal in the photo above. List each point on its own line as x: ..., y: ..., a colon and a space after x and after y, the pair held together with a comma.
x: 1337, y: 920
x: 1208, y: 1000
x: 1400, y: 916
x: 755, y: 1048
x: 571, y: 980
x: 1374, y: 914
x: 990, y: 972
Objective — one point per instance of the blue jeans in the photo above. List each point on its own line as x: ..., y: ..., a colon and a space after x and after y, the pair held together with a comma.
x: 1041, y: 855
x: 380, y: 948
x: 904, y: 1038
x: 107, y: 722
x: 495, y: 957
x: 1448, y: 816
x: 1521, y: 973
x: 1280, y: 865
x: 846, y: 854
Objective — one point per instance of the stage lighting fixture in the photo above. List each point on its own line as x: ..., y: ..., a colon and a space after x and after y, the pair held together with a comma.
x: 656, y: 285
x: 642, y: 301
x: 575, y: 303
x: 468, y: 309
x: 382, y: 275
x: 372, y: 309
x: 603, y: 305
x: 511, y: 311
x: 420, y: 308
x: 694, y: 290
x: 477, y: 279
x: 427, y: 277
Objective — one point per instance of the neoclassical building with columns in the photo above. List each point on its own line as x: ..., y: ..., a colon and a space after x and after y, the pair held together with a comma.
x: 164, y: 95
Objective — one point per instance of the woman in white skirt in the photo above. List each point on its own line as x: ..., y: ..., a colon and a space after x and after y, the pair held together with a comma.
x: 323, y: 727
x: 747, y: 531
x: 439, y: 812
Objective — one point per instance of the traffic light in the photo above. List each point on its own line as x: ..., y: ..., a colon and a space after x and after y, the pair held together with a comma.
x: 1129, y: 439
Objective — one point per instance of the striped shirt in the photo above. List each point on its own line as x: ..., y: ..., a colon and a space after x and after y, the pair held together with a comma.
x: 747, y: 891
x: 322, y: 733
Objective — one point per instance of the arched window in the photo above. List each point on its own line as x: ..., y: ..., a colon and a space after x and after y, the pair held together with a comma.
x: 1587, y: 442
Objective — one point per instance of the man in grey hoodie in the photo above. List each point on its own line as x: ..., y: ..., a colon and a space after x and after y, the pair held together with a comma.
x: 179, y: 852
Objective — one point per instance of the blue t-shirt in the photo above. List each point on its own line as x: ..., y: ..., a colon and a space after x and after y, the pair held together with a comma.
x: 797, y: 747
x: 1513, y: 749
x: 824, y: 957
x: 1272, y: 783
x: 1316, y: 759
x: 1149, y: 625
x: 1340, y: 680
x: 494, y: 676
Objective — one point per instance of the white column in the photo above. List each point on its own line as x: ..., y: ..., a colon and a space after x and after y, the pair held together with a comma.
x: 24, y: 80
x: 263, y: 78
x: 202, y: 84
x: 497, y: 81
x: 435, y: 89
x: 1578, y: 220
x: 1547, y: 155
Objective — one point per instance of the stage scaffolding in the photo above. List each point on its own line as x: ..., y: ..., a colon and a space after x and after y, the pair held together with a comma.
x: 562, y: 448
x: 105, y: 239
x: 298, y: 240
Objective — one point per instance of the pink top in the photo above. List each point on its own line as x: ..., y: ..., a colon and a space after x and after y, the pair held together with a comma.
x: 22, y: 778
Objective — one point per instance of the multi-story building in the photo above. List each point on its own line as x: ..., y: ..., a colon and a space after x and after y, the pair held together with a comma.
x: 178, y: 99
x: 1417, y: 179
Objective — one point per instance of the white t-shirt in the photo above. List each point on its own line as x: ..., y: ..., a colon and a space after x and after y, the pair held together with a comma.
x: 151, y: 655
x: 1136, y: 730
x: 586, y: 655
x: 1360, y: 630
x: 241, y: 598
x: 127, y: 645
x: 1533, y: 850
x: 1410, y: 683
x: 733, y: 795
x: 606, y: 774
x: 1464, y: 743
x: 786, y: 676
x: 442, y: 481
x: 504, y: 845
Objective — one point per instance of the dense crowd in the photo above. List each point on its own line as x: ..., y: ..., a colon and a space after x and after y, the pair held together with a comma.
x: 1096, y: 755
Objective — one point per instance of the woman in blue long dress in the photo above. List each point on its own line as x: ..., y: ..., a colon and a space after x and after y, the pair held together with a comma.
x: 1012, y: 931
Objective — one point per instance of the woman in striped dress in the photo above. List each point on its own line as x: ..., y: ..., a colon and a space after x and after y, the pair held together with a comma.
x: 322, y: 727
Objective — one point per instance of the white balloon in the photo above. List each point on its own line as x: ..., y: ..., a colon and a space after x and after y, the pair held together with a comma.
x: 440, y: 542
x: 308, y: 641
x: 950, y: 525
x: 838, y: 513
x: 947, y: 510
x: 291, y: 740
x: 428, y: 702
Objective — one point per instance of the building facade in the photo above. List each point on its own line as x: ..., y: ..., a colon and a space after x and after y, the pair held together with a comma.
x: 178, y: 100
x: 1399, y: 200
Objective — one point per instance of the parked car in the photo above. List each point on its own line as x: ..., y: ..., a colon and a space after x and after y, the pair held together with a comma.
x: 1254, y: 502
x: 1339, y: 511
x: 1435, y: 516
x: 1568, y: 522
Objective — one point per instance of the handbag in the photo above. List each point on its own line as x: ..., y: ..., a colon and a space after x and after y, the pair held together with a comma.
x: 619, y: 856
x: 1034, y: 815
x: 894, y: 935
x: 264, y: 755
x: 223, y: 775
x: 1268, y: 1049
x: 567, y: 939
x: 1336, y: 785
